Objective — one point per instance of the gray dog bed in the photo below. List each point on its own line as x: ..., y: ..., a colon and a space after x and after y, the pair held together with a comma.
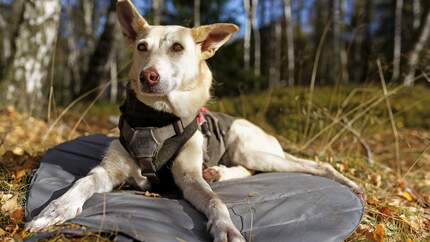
x: 267, y: 207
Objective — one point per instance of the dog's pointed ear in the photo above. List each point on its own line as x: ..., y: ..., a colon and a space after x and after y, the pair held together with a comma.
x: 130, y: 19
x: 213, y: 36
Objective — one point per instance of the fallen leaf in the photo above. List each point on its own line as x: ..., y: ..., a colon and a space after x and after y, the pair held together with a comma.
x: 341, y: 167
x: 378, y: 234
x: 386, y: 211
x: 17, y: 215
x: 376, y: 179
x: 4, y: 197
x: 372, y: 201
x: 20, y: 173
x: 10, y: 205
x: 18, y: 151
x: 407, y: 196
x: 151, y: 194
x: 362, y: 229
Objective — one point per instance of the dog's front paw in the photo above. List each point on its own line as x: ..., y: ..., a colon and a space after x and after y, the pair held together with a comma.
x: 57, y: 212
x: 224, y: 231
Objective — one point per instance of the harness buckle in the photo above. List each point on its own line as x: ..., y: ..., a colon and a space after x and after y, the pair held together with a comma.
x: 143, y: 143
x: 148, y: 169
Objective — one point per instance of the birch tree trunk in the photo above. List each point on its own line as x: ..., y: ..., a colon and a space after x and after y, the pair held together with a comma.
x: 418, y: 48
x: 72, y: 77
x: 157, y: 6
x: 34, y: 43
x: 416, y: 8
x: 89, y: 33
x: 275, y: 46
x: 98, y: 70
x: 196, y: 12
x: 397, y: 40
x: 290, y: 41
x: 257, y: 40
x: 4, y: 44
x: 338, y: 45
x: 247, y: 37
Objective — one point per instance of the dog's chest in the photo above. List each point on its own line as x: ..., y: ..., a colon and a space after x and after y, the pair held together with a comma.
x: 155, y: 155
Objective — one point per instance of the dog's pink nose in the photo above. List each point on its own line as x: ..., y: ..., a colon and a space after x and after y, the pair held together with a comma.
x: 150, y: 76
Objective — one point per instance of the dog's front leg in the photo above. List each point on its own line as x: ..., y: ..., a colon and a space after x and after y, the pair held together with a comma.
x: 187, y: 172
x: 114, y: 169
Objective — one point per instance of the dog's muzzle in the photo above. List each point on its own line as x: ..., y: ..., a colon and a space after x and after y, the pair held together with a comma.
x: 150, y: 82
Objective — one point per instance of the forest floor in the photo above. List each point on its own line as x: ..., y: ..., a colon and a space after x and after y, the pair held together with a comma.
x: 340, y: 125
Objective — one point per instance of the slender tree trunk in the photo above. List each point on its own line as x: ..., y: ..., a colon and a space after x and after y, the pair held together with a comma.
x: 72, y: 77
x: 339, y: 59
x: 417, y: 13
x: 366, y: 48
x: 34, y: 48
x: 98, y: 70
x: 275, y: 67
x: 88, y: 11
x: 4, y: 45
x: 247, y: 37
x: 414, y: 57
x: 83, y: 54
x: 290, y: 41
x: 257, y: 40
x: 397, y: 40
x: 196, y: 12
x: 157, y: 6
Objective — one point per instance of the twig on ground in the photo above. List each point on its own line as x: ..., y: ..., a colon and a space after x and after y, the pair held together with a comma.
x: 361, y: 140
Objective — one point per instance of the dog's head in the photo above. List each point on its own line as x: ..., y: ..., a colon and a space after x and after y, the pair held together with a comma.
x: 168, y: 60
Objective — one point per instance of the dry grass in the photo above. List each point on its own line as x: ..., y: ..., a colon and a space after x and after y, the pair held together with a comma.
x: 397, y: 189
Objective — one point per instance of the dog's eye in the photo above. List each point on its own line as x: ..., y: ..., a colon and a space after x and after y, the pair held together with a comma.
x: 142, y: 46
x: 176, y: 47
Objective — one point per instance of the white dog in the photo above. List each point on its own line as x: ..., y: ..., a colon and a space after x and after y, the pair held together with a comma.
x: 169, y: 76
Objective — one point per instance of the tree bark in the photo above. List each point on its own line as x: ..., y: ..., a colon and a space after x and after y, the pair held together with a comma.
x: 290, y: 41
x: 247, y: 37
x: 257, y: 40
x: 4, y: 44
x: 157, y: 6
x: 72, y: 76
x: 34, y: 43
x: 340, y: 71
x: 99, y: 61
x: 275, y: 46
x: 397, y: 40
x: 196, y: 12
x: 418, y: 48
x: 416, y: 8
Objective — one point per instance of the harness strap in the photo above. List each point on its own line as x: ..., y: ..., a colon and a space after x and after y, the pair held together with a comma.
x: 144, y: 143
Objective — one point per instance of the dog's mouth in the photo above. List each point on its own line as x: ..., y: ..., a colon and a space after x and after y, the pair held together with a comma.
x: 153, y: 91
x: 157, y: 90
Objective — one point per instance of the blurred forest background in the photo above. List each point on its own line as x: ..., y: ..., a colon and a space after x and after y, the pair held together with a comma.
x: 343, y: 81
x: 74, y: 46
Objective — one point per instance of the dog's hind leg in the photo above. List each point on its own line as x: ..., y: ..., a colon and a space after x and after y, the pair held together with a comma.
x: 267, y: 162
x: 113, y: 170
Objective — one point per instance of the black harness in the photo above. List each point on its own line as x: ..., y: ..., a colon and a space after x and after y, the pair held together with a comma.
x: 153, y: 138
